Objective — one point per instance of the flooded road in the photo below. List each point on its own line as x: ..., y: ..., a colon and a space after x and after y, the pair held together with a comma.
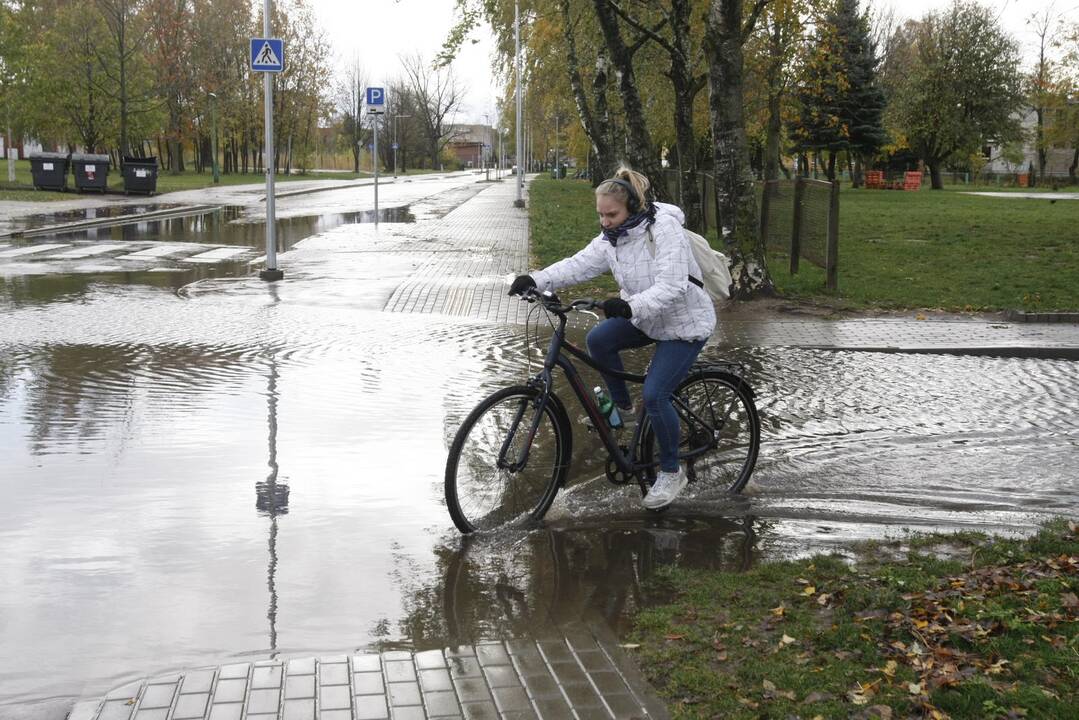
x: 237, y: 469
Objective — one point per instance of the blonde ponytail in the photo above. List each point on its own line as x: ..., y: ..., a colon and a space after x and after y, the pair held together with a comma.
x: 617, y: 190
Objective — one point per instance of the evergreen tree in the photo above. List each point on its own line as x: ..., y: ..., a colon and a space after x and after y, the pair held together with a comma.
x: 862, y: 104
x: 840, y: 101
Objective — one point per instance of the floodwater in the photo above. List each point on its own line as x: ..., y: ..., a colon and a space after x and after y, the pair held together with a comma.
x: 240, y: 469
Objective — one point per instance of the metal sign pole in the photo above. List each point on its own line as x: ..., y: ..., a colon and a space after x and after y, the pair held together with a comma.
x: 271, y: 272
x: 375, y: 162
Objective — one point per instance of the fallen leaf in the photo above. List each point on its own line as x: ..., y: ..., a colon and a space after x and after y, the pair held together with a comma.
x: 857, y: 698
x: 914, y: 688
x: 675, y: 637
x: 816, y: 697
x: 823, y: 599
x: 810, y: 590
x: 629, y: 646
x: 1069, y: 600
x: 779, y: 611
x: 889, y: 668
x: 786, y: 640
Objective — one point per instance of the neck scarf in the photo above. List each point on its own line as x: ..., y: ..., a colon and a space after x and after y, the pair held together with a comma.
x: 613, y: 234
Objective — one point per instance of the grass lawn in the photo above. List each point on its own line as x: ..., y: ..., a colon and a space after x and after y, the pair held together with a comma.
x: 23, y: 188
x: 948, y: 250
x: 921, y: 249
x: 961, y: 626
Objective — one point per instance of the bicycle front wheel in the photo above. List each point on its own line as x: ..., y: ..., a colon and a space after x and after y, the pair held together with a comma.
x: 489, y: 480
x: 720, y: 430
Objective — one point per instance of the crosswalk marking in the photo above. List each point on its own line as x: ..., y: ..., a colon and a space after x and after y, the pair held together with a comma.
x: 31, y: 249
x: 87, y: 251
x: 217, y: 255
x: 155, y: 252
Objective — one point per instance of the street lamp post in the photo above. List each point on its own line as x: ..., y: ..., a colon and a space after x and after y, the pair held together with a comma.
x: 213, y: 141
x: 487, y: 141
x: 395, y: 142
x: 519, y: 202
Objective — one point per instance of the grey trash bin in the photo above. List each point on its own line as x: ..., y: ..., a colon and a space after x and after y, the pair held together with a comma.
x: 91, y: 171
x: 49, y: 170
x: 140, y: 175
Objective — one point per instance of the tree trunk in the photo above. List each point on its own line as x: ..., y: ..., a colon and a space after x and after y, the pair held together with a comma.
x: 685, y: 90
x: 735, y: 199
x: 830, y: 172
x: 1075, y: 163
x: 639, y: 149
x: 773, y: 132
x: 936, y: 182
x: 596, y: 126
x: 856, y: 173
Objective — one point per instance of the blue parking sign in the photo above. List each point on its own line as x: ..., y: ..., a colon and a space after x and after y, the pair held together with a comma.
x: 267, y: 54
x: 376, y: 100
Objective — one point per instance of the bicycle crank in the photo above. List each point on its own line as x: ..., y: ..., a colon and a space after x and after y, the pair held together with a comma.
x: 616, y: 476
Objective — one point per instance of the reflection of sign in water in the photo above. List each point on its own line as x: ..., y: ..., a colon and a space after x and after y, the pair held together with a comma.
x: 267, y: 54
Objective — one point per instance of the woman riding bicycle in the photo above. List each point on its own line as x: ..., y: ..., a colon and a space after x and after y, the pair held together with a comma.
x: 661, y: 302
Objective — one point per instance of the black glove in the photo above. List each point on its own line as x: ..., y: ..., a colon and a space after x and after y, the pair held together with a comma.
x: 617, y: 307
x: 520, y: 284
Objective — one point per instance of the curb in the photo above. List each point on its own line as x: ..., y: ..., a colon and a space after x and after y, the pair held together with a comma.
x: 1051, y: 317
x: 1037, y: 353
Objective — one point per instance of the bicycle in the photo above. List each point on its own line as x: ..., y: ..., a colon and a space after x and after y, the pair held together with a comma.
x: 512, y: 453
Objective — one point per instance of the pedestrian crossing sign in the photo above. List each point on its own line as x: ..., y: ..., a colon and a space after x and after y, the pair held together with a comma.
x: 267, y: 54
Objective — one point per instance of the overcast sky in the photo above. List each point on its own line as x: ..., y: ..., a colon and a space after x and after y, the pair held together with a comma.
x: 379, y: 31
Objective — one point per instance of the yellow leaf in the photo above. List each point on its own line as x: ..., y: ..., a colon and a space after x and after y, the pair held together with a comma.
x: 778, y: 611
x: 787, y: 640
x: 823, y: 598
x: 809, y: 590
x: 889, y: 668
x: 769, y: 686
x: 915, y: 688
x: 920, y: 624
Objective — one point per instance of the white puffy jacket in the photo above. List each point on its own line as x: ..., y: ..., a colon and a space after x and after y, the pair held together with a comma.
x: 665, y: 304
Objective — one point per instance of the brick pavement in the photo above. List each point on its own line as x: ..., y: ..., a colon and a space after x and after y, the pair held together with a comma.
x: 571, y: 676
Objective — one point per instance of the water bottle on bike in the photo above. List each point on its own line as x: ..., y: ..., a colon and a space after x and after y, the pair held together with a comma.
x: 607, y: 407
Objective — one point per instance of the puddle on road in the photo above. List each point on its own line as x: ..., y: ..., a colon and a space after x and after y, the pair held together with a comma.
x: 38, y: 281
x: 246, y: 474
x: 30, y: 222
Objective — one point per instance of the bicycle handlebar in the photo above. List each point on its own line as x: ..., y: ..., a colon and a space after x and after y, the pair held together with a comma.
x: 551, y: 302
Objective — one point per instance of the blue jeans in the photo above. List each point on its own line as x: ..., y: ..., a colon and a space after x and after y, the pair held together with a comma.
x: 670, y: 365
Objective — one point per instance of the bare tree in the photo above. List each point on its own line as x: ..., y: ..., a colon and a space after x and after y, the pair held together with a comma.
x: 350, y: 96
x: 122, y: 58
x: 437, y: 97
x: 1040, y: 80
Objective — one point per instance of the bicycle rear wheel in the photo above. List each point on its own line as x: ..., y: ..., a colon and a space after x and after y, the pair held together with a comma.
x: 720, y: 430
x: 485, y: 488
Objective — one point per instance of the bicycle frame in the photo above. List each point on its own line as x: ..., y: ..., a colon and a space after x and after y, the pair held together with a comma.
x: 544, y: 380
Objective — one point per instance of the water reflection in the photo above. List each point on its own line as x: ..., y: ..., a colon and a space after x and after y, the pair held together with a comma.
x: 532, y: 584
x: 34, y: 281
x: 29, y: 222
x: 271, y: 496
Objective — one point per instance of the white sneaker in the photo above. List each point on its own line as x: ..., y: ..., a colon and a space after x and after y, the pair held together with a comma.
x: 665, y: 489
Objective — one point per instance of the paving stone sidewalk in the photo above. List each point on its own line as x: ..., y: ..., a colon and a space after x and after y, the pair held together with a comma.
x: 574, y: 676
x: 485, y: 240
